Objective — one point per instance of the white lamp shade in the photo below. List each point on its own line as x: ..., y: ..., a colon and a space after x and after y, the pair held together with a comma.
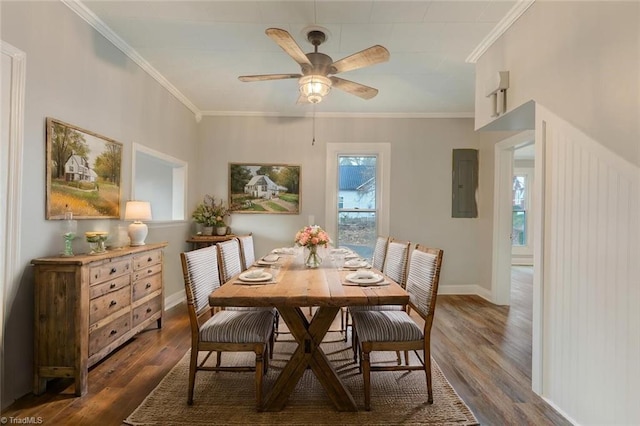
x: 137, y: 211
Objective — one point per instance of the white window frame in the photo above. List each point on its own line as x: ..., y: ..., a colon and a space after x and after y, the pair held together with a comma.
x: 383, y: 181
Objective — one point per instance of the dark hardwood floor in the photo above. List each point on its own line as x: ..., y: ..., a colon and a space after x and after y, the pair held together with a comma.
x: 484, y: 350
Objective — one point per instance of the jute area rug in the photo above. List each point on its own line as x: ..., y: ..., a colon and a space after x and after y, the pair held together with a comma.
x: 228, y: 397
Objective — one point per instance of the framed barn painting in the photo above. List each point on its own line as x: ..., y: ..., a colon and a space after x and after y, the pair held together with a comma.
x: 83, y: 173
x: 264, y: 188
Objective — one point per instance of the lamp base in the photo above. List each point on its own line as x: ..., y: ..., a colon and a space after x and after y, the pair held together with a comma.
x: 137, y: 233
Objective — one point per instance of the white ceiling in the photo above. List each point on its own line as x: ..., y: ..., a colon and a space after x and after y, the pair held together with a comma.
x: 199, y: 48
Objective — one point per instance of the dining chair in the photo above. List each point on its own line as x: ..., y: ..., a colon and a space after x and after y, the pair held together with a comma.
x: 247, y: 250
x: 230, y: 259
x: 396, y: 330
x: 379, y: 253
x: 231, y: 265
x: 396, y: 259
x: 224, y: 330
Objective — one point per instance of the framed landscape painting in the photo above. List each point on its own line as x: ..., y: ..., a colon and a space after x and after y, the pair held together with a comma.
x: 264, y: 188
x: 83, y: 173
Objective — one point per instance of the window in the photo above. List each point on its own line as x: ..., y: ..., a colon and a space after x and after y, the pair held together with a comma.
x: 519, y: 235
x: 358, y: 179
x: 161, y: 180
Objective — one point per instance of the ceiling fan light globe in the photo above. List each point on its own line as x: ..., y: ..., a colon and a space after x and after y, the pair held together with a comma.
x: 316, y: 86
x: 314, y: 99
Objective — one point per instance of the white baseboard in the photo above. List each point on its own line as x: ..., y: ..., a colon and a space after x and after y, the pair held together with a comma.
x: 466, y: 289
x: 174, y: 299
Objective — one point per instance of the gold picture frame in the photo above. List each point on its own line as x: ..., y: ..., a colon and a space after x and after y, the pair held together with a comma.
x: 83, y: 173
x: 264, y: 188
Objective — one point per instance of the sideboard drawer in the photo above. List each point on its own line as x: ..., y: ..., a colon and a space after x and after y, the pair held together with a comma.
x: 101, y: 289
x: 109, y: 270
x: 103, y: 306
x: 146, y: 310
x: 146, y: 286
x: 149, y: 258
x: 148, y: 271
x: 101, y: 337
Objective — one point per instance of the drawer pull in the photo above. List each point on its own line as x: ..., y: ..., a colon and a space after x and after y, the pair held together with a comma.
x: 113, y: 332
x: 113, y: 303
x: 113, y: 271
x: 113, y: 285
x: 149, y: 259
x: 148, y: 285
x: 149, y: 310
x: 149, y: 271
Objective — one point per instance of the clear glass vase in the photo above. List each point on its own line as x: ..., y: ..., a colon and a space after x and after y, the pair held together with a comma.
x: 312, y: 258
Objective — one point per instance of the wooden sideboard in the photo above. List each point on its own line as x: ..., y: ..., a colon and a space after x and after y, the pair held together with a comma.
x: 200, y: 241
x: 88, y: 305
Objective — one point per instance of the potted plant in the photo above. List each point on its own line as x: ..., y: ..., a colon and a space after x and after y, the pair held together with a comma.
x: 210, y: 214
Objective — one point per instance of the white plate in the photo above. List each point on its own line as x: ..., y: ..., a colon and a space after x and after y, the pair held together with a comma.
x: 284, y: 250
x: 351, y: 256
x: 357, y: 265
x: 270, y: 258
x: 353, y: 277
x: 339, y: 251
x: 266, y: 276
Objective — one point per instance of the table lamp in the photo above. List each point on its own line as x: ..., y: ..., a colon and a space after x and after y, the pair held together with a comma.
x: 137, y: 211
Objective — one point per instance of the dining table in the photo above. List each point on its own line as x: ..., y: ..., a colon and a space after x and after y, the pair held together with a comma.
x: 292, y: 287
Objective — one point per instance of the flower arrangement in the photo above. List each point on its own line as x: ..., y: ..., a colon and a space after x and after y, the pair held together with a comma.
x: 210, y: 213
x: 312, y: 236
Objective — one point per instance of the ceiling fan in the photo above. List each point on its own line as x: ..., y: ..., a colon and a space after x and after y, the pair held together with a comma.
x: 316, y: 79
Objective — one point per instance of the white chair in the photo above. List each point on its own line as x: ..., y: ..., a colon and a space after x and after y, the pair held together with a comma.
x: 247, y: 251
x: 396, y: 330
x: 224, y: 330
x: 230, y: 259
x: 379, y: 253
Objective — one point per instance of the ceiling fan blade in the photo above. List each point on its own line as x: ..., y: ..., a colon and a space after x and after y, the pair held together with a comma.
x: 265, y: 77
x: 360, y: 90
x: 371, y: 56
x: 288, y: 44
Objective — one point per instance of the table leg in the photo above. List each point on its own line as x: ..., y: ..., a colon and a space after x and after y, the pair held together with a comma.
x: 309, y: 335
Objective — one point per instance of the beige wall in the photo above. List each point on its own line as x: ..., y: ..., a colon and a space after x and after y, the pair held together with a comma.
x: 75, y: 75
x: 420, y: 180
x: 579, y: 59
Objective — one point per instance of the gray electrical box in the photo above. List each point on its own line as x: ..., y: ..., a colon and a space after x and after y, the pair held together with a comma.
x: 465, y: 183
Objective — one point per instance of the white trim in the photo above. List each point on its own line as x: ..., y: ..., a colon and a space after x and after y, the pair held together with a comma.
x: 383, y: 152
x: 502, y: 216
x: 92, y: 19
x: 501, y: 27
x: 306, y: 113
x: 9, y: 255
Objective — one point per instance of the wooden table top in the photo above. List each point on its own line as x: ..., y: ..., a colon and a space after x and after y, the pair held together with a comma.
x: 298, y: 286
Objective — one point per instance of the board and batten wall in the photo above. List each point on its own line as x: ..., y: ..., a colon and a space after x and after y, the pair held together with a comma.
x: 590, y: 269
x: 77, y: 76
x: 577, y: 63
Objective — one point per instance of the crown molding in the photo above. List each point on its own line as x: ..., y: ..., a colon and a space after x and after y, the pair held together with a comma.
x: 82, y: 11
x: 339, y: 114
x: 501, y: 27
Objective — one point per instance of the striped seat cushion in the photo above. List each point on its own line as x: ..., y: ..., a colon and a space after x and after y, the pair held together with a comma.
x: 385, y: 326
x: 376, y: 308
x: 237, y: 327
